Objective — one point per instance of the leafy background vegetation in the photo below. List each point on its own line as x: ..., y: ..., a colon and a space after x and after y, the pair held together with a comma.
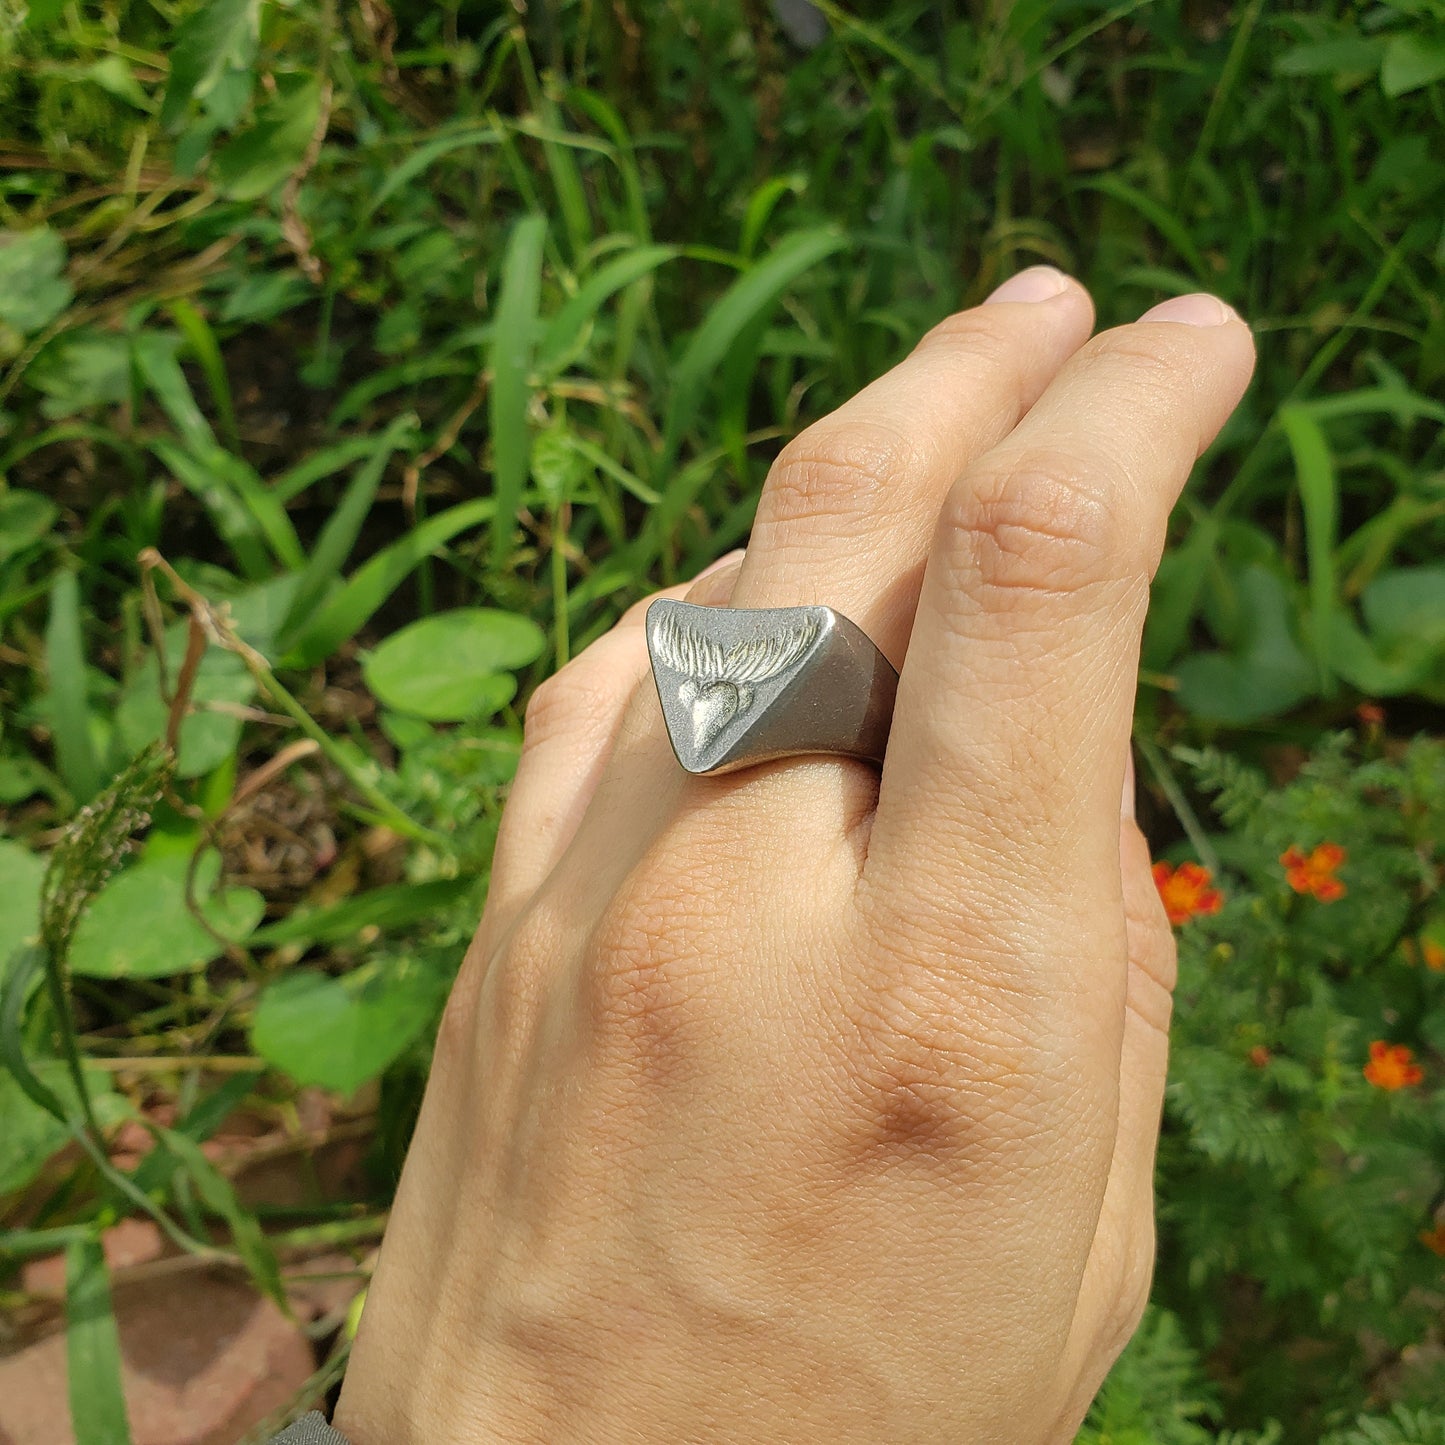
x: 337, y: 339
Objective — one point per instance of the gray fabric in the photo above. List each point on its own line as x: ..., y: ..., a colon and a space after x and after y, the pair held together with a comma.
x: 311, y: 1429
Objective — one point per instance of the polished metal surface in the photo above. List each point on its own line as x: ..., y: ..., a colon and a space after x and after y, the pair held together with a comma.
x: 742, y: 685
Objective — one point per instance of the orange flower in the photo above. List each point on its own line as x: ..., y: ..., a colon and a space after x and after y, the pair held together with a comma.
x: 1371, y: 714
x: 1392, y: 1066
x: 1434, y: 954
x: 1187, y: 891
x: 1434, y: 1239
x: 1314, y: 872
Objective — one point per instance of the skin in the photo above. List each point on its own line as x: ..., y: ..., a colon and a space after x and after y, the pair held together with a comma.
x: 800, y: 1104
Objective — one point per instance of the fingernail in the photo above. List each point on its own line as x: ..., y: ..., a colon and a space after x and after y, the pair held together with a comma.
x: 1200, y: 309
x: 1037, y: 283
x: 1126, y: 799
x: 726, y: 560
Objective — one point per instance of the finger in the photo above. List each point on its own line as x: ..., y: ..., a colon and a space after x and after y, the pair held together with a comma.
x: 1015, y: 702
x: 848, y: 507
x: 1117, y: 1278
x: 570, y: 724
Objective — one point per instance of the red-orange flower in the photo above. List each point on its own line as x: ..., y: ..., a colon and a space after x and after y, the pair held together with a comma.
x: 1187, y: 891
x: 1433, y: 953
x: 1392, y: 1066
x: 1314, y: 872
x: 1434, y: 1239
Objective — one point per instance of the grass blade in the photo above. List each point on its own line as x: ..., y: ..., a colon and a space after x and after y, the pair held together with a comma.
x: 207, y: 351
x: 750, y: 297
x: 564, y: 330
x: 65, y: 664
x: 511, y: 364
x: 342, y: 528
x: 1319, y: 498
x: 92, y: 1348
x: 217, y: 1195
x: 345, y: 613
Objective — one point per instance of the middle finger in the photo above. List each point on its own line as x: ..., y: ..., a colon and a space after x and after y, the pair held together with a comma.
x: 848, y: 509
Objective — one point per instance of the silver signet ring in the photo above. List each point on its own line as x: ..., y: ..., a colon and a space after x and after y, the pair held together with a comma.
x: 743, y: 685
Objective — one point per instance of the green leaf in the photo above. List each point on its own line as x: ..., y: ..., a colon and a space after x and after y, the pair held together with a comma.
x: 216, y: 1193
x: 1407, y: 603
x: 513, y: 339
x: 92, y: 1348
x: 352, y: 606
x: 33, y: 289
x: 1412, y: 59
x: 25, y: 518
x: 21, y: 874
x: 1266, y: 675
x: 1344, y: 55
x: 1319, y: 498
x: 81, y: 370
x: 566, y: 331
x: 342, y: 528
x: 387, y: 908
x: 139, y: 925
x: 341, y: 1032
x: 752, y: 296
x: 453, y: 665
x: 256, y: 162
x: 65, y: 688
x: 30, y: 1134
x: 218, y: 39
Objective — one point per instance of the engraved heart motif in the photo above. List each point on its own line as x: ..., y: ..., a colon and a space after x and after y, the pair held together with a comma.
x: 714, y: 707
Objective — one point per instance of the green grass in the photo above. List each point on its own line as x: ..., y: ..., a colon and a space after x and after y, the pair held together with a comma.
x: 320, y: 320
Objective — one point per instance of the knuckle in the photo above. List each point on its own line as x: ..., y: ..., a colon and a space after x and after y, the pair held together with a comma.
x: 1036, y: 523
x: 558, y: 702
x: 984, y: 333
x: 650, y: 968
x: 835, y: 465
x: 1157, y: 361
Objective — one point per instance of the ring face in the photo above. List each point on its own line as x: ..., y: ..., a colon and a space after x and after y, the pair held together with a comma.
x: 743, y: 685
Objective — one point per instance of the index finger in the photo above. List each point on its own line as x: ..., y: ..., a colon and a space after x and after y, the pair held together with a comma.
x: 999, y: 797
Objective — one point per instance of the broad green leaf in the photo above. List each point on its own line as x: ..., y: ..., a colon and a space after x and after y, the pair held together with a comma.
x: 1265, y: 676
x: 1344, y: 55
x: 257, y: 161
x: 66, y: 693
x: 21, y: 872
x: 211, y: 43
x: 1407, y: 603
x: 349, y: 609
x: 1412, y: 59
x: 453, y: 665
x: 211, y: 730
x: 33, y: 288
x: 513, y: 339
x: 139, y: 925
x: 25, y: 518
x: 30, y: 1135
x: 81, y: 370
x: 92, y: 1348
x: 341, y: 1032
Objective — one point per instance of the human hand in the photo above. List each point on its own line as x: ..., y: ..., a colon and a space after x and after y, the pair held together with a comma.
x: 794, y: 1104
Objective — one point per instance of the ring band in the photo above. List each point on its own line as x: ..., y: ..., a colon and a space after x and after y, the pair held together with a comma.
x: 743, y: 685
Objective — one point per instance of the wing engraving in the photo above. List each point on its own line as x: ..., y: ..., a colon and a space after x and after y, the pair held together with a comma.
x: 687, y: 651
x: 754, y: 659
x: 757, y: 658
